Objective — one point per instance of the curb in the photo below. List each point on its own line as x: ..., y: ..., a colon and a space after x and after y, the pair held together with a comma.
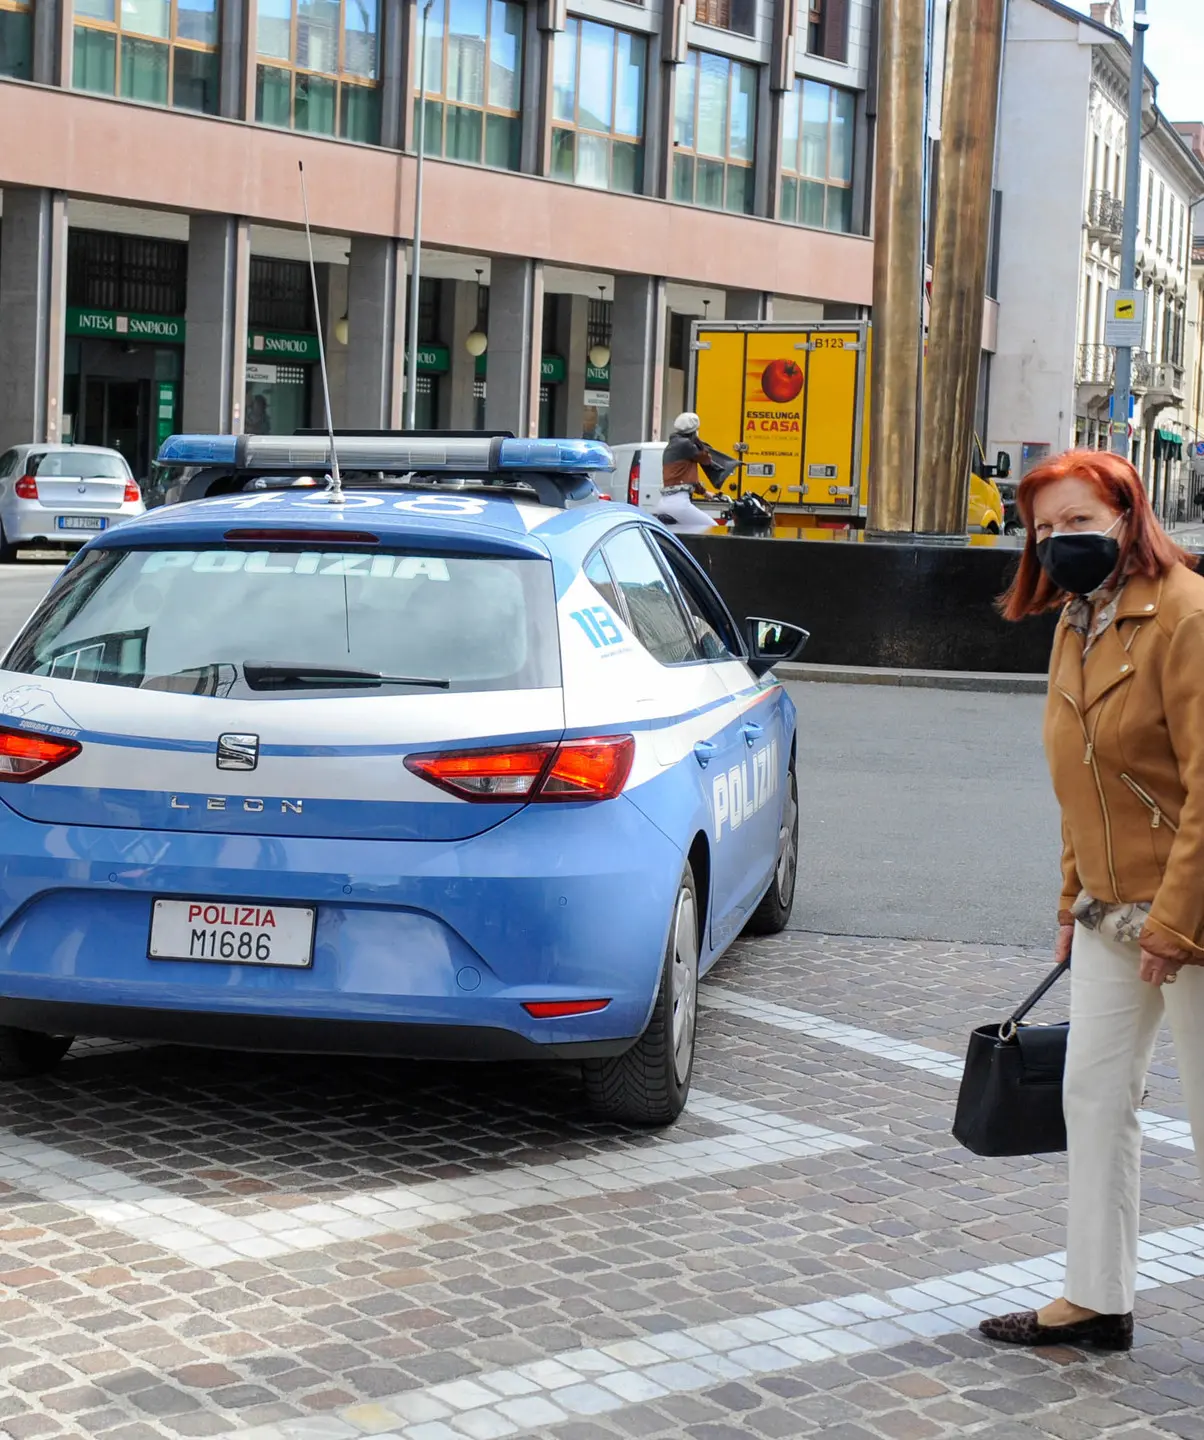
x: 982, y: 681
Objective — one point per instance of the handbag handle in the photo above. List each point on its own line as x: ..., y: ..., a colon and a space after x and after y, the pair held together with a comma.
x: 1007, y: 1031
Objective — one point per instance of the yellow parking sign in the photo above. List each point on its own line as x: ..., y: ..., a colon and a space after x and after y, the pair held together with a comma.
x: 1124, y: 322
x: 1125, y: 307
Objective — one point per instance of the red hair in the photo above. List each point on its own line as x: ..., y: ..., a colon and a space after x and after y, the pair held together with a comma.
x: 1146, y: 548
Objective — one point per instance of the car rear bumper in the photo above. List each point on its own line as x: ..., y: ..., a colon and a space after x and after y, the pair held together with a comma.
x: 27, y: 524
x: 293, y: 1034
x: 556, y: 903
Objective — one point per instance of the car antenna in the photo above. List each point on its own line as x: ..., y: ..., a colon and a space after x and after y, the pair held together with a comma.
x: 335, y: 494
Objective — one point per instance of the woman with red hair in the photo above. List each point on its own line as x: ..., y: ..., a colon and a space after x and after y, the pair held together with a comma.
x: 1124, y: 736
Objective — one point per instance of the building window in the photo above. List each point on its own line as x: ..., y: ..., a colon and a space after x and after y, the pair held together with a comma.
x: 16, y: 40
x: 318, y: 67
x: 817, y: 156
x: 714, y: 132
x: 1161, y: 213
x: 281, y: 297
x: 598, y: 107
x: 827, y: 23
x: 474, y: 60
x: 163, y: 52
x: 138, y: 273
x: 738, y: 15
x: 1149, y: 210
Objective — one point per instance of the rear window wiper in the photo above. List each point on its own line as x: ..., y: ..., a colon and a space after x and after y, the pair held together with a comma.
x: 277, y: 676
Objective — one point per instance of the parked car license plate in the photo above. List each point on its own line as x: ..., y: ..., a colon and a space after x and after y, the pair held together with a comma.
x: 81, y: 522
x: 232, y: 932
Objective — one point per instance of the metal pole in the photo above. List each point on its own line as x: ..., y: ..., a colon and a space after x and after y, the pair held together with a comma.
x: 1123, y: 385
x: 416, y: 266
x: 898, y: 265
x: 974, y: 50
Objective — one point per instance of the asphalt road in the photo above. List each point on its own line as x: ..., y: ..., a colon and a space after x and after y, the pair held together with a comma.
x: 926, y: 814
x: 21, y: 587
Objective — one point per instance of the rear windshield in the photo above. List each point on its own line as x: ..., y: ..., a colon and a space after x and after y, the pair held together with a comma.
x: 77, y: 465
x: 191, y: 621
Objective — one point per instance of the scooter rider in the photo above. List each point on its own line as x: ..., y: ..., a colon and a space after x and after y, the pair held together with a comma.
x: 684, y: 454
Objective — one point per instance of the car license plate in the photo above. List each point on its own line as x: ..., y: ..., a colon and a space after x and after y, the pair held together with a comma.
x: 81, y: 522
x: 231, y: 932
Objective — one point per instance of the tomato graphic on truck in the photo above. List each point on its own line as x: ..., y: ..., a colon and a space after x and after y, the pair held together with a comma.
x: 782, y: 380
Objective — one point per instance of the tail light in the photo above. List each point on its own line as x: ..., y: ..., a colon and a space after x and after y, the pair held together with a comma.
x: 558, y: 1009
x: 132, y: 493
x: 26, y: 755
x: 594, y: 769
x: 633, y: 481
x: 26, y: 488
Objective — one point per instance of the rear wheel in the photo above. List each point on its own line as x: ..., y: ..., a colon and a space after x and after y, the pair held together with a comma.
x: 8, y: 551
x: 773, y: 913
x: 28, y: 1052
x: 648, y: 1085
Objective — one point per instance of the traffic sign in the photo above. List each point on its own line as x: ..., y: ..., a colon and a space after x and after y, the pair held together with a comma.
x: 1124, y: 323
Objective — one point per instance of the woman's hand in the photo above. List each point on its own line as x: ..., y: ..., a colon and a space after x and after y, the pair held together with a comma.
x: 1158, y: 971
x: 1062, y: 943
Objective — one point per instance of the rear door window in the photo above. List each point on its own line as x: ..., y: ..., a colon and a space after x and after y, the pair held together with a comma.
x: 652, y: 608
x: 77, y: 465
x: 192, y: 621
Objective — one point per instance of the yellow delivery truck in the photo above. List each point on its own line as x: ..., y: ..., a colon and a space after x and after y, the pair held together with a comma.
x: 791, y: 403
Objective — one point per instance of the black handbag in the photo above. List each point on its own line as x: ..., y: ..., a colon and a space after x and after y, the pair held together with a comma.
x: 1010, y: 1102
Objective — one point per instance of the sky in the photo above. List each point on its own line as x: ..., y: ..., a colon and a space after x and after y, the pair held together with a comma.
x: 1174, y: 53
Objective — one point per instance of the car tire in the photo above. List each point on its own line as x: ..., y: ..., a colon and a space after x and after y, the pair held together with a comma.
x: 773, y: 913
x: 648, y: 1084
x: 992, y: 528
x: 28, y: 1052
x: 8, y: 551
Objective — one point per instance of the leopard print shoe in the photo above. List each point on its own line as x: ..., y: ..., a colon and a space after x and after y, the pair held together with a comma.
x: 1100, y: 1332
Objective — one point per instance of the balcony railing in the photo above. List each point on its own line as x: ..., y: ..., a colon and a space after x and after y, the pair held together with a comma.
x: 1097, y: 366
x: 1167, y: 379
x: 1105, y: 213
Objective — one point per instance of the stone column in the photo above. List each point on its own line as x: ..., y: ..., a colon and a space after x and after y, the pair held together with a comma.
x: 33, y: 298
x: 376, y: 297
x: 215, y: 350
x: 637, y: 358
x: 515, y: 332
x: 747, y: 305
x: 457, y: 407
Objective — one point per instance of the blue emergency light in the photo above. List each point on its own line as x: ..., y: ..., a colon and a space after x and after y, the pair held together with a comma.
x: 390, y: 454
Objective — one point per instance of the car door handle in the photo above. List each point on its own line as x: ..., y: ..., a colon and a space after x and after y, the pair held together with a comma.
x: 751, y: 732
x: 704, y: 752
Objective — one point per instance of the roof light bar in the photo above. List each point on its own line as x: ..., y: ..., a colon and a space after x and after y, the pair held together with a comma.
x: 480, y: 454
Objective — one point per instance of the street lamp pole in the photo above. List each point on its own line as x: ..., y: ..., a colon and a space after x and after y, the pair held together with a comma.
x: 416, y: 266
x: 1123, y: 384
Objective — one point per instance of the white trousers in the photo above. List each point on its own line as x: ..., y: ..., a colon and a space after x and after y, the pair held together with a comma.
x: 1114, y: 1021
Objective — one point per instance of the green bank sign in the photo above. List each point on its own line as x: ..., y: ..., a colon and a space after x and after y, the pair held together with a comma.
x: 282, y: 345
x: 552, y: 368
x: 120, y: 325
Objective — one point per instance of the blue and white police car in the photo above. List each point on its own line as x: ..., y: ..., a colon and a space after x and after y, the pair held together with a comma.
x: 464, y: 763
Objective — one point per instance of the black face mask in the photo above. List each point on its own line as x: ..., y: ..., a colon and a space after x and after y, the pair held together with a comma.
x: 1081, y: 561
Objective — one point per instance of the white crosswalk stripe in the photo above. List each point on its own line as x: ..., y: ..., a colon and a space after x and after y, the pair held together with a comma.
x: 594, y: 1380
x: 1161, y: 1128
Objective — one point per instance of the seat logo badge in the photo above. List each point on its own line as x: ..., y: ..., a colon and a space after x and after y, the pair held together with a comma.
x: 237, y: 752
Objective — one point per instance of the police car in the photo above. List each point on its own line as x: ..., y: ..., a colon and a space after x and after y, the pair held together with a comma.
x: 460, y: 763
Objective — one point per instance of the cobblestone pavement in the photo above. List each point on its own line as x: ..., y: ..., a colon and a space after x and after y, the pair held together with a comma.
x: 196, y: 1244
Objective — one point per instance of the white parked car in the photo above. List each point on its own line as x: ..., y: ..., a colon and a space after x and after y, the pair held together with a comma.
x: 63, y: 495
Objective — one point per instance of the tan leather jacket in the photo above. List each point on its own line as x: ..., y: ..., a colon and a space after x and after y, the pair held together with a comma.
x: 1124, y: 735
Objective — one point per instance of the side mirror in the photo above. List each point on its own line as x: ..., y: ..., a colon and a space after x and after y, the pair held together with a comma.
x: 771, y: 642
x: 1003, y: 464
